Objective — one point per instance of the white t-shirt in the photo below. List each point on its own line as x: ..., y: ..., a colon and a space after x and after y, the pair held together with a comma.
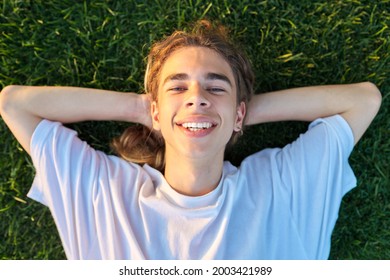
x: 279, y: 204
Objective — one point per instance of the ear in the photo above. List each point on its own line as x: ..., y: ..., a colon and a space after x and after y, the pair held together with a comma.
x: 155, y: 116
x: 241, y: 111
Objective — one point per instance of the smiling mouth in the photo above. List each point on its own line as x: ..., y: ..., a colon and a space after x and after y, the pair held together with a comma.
x: 193, y: 126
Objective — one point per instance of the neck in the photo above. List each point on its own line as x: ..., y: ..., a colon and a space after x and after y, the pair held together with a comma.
x: 193, y: 177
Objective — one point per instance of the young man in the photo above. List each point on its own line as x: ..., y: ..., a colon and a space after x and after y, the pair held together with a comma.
x: 184, y: 201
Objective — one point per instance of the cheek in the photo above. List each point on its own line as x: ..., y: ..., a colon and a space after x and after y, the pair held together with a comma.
x: 229, y: 110
x: 165, y: 113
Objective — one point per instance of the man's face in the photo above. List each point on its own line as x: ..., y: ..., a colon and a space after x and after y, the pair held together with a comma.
x: 197, y: 109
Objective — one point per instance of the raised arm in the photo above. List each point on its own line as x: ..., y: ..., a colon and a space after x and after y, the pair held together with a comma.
x: 23, y: 107
x: 357, y: 103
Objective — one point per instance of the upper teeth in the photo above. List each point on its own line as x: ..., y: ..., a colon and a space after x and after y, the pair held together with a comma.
x: 197, y: 125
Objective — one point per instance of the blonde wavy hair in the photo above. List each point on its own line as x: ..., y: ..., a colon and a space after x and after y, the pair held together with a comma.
x: 141, y: 145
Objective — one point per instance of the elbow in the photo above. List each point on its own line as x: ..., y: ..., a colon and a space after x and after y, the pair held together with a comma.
x: 5, y: 99
x: 373, y: 97
x: 8, y: 99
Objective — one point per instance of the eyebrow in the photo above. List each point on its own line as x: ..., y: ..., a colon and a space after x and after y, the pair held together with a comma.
x: 216, y: 76
x: 209, y: 76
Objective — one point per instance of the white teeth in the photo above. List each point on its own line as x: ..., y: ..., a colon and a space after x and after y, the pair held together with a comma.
x: 193, y: 126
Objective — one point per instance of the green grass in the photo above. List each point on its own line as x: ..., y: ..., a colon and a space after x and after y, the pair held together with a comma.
x: 101, y: 44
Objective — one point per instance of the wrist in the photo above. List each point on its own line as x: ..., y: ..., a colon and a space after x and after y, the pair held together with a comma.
x: 140, y: 109
x: 257, y: 110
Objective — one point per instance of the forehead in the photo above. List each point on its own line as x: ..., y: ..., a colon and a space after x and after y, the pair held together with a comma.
x: 196, y: 61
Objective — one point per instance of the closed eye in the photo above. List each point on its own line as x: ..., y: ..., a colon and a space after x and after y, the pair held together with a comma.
x: 177, y: 89
x: 216, y: 90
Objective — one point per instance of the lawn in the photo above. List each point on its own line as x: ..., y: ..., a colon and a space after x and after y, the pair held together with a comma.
x: 101, y: 44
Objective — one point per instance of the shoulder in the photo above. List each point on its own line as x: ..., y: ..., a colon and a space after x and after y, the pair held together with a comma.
x: 337, y: 127
x: 331, y: 135
x: 55, y: 145
x: 47, y: 130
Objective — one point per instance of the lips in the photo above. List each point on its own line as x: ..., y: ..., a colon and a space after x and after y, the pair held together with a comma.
x: 197, y: 126
x: 193, y: 126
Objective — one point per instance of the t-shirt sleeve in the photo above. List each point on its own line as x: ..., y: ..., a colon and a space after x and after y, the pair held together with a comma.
x: 71, y: 179
x: 93, y: 197
x: 315, y: 175
x: 66, y: 173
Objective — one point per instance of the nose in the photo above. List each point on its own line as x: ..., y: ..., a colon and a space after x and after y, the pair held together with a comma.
x: 197, y: 97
